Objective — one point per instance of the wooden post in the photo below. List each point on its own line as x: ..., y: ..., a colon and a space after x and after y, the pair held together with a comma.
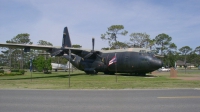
x: 173, y: 72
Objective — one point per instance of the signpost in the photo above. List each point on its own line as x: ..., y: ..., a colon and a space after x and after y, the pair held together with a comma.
x: 31, y: 67
x: 116, y: 66
x: 69, y: 65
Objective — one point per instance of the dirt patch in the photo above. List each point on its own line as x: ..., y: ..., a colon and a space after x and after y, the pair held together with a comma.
x: 188, y: 78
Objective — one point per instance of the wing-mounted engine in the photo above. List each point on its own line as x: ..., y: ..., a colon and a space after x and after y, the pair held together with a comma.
x: 92, y: 54
x: 92, y: 61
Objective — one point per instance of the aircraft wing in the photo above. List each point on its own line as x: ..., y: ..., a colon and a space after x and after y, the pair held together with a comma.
x: 51, y: 49
x: 38, y: 47
x: 81, y: 52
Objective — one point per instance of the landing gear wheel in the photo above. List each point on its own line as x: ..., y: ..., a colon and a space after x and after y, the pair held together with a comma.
x: 112, y: 73
x: 87, y: 72
x: 95, y: 72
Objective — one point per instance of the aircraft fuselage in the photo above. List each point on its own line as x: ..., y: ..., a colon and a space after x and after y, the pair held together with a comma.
x: 139, y: 62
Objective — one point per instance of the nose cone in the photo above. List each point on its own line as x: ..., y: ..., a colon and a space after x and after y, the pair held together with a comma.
x: 156, y: 63
x: 159, y: 63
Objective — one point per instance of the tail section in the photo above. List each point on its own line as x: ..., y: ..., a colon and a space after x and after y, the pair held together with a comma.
x: 66, y: 42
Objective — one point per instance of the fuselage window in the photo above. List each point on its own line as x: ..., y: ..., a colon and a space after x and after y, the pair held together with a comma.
x: 142, y: 52
x: 150, y: 53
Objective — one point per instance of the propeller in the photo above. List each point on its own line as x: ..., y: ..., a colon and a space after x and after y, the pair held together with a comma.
x: 57, y: 52
x: 92, y: 51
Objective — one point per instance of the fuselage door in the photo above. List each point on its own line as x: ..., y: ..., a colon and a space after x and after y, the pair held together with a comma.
x: 126, y: 61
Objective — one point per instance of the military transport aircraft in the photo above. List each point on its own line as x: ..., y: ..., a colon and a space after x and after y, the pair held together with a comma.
x: 131, y: 60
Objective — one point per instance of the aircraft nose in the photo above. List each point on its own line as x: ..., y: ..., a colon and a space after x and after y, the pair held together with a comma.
x: 160, y: 63
x: 157, y: 63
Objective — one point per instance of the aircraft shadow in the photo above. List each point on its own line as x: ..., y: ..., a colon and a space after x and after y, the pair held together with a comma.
x: 71, y: 75
x: 138, y: 75
x: 43, y: 76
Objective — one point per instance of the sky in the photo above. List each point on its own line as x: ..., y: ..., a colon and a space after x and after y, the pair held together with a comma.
x: 87, y: 19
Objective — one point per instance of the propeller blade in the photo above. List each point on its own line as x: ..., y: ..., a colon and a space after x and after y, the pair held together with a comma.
x: 57, y: 53
x: 92, y: 44
x: 159, y: 56
x: 92, y: 51
x: 88, y: 55
x: 99, y: 56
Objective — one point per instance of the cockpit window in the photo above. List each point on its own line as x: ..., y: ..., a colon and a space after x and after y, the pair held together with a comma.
x: 142, y: 51
x: 150, y: 53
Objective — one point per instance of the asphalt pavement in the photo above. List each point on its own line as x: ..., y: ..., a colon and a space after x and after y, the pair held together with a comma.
x: 158, y: 100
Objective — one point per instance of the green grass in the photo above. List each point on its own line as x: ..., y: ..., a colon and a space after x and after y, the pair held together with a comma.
x: 79, y: 80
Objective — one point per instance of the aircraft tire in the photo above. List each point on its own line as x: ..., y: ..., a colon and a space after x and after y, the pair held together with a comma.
x: 112, y: 73
x: 87, y: 72
x: 142, y: 74
x: 106, y: 72
x: 91, y: 72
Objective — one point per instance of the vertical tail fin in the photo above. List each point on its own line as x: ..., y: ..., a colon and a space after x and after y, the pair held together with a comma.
x: 66, y: 42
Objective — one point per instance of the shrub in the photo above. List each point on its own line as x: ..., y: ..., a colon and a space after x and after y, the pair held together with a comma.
x: 14, y: 70
x: 2, y: 71
x: 22, y: 71
x: 12, y: 73
x: 47, y: 72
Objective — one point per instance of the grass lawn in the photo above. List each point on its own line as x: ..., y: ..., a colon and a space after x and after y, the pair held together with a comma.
x: 79, y: 80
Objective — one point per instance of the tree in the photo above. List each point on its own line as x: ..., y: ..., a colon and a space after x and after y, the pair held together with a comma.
x: 197, y: 49
x: 163, y: 41
x: 42, y: 64
x: 196, y: 59
x: 76, y: 46
x: 3, y: 60
x: 119, y: 45
x: 22, y: 38
x: 59, y: 60
x: 151, y: 44
x: 111, y: 34
x: 185, y: 51
x: 44, y: 43
x: 7, y: 55
x: 193, y: 58
x: 172, y: 47
x: 171, y: 56
x: 140, y: 39
x: 105, y: 48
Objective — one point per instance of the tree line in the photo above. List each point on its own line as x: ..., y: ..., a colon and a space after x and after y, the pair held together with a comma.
x: 16, y: 58
x: 162, y: 44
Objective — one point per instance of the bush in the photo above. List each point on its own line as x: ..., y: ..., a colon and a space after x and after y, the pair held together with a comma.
x: 47, y: 72
x: 14, y: 70
x: 12, y: 73
x: 22, y: 71
x: 2, y: 71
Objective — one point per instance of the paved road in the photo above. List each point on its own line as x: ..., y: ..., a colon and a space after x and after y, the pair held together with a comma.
x: 170, y: 100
